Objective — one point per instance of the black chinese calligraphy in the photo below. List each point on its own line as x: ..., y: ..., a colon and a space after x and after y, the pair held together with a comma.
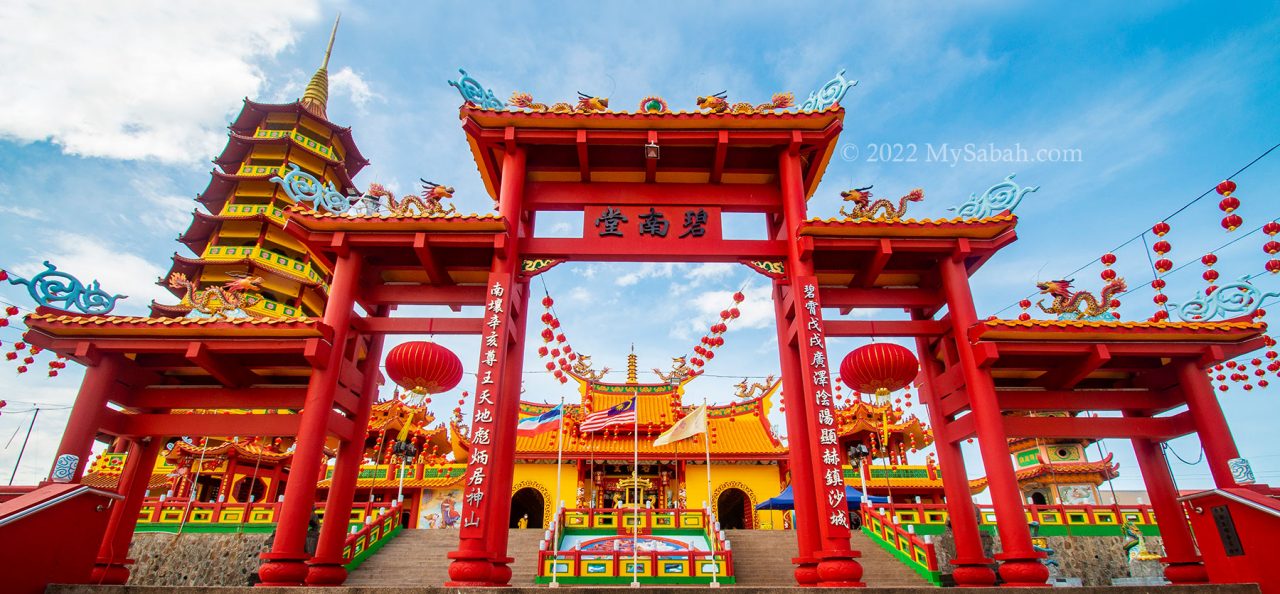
x: 653, y: 224
x: 695, y: 222
x: 610, y: 219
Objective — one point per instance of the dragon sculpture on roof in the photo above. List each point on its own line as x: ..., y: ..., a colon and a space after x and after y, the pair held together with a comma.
x: 719, y: 103
x: 220, y: 301
x: 864, y: 208
x: 586, y: 104
x: 1079, y: 305
x: 744, y: 392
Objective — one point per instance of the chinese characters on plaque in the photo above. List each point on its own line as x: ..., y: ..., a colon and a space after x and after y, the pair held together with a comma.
x: 482, y: 423
x: 818, y: 373
x: 682, y: 222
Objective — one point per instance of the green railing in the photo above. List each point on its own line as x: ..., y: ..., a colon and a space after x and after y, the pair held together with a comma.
x: 907, y: 547
x: 367, y: 540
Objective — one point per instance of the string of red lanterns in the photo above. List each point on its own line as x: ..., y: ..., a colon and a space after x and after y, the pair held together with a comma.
x: 556, y: 347
x: 1228, y: 205
x: 1161, y: 266
x: 714, y: 338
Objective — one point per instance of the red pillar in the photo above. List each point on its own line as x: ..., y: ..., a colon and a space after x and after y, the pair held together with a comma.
x: 285, y: 564
x: 1182, y: 564
x: 505, y: 444
x: 1211, y: 425
x: 82, y: 427
x: 481, y: 558
x: 326, y: 567
x: 798, y: 451
x: 112, y: 565
x: 1021, y: 564
x: 837, y: 562
x: 972, y: 567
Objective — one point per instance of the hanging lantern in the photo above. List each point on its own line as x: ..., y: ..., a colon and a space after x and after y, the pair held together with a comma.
x: 1226, y: 187
x: 424, y: 367
x: 879, y: 368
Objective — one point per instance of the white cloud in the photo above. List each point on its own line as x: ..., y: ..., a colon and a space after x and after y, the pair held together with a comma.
x: 646, y: 270
x: 24, y: 212
x: 346, y: 82
x: 156, y: 81
x: 119, y: 272
x: 756, y: 310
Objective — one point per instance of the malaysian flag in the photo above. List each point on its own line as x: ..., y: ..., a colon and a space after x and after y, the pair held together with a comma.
x: 623, y: 413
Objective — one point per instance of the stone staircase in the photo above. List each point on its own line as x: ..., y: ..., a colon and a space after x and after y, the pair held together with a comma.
x: 419, y: 558
x: 761, y: 558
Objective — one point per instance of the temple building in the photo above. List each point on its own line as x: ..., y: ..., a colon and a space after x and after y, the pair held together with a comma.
x: 241, y: 235
x: 1057, y: 471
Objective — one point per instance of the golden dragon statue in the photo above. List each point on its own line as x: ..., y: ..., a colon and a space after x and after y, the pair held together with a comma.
x: 219, y: 302
x: 864, y: 208
x: 1079, y: 305
x: 719, y: 103
x: 582, y: 368
x: 586, y: 104
x: 430, y: 203
x: 747, y: 393
x: 679, y: 371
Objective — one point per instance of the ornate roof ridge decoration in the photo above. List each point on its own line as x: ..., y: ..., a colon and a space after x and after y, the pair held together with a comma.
x: 303, y: 210
x: 101, y: 320
x: 829, y: 94
x: 356, y: 160
x: 955, y: 221
x: 51, y: 286
x: 1102, y: 467
x: 302, y: 186
x: 1004, y: 196
x: 1050, y: 324
x: 1232, y: 300
x: 247, y: 449
x: 657, y: 115
x: 473, y: 93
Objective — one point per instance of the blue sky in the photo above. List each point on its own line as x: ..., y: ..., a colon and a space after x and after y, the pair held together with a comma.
x: 111, y: 117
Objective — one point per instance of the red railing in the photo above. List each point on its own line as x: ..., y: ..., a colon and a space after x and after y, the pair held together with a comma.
x: 908, y: 547
x: 361, y: 543
x: 181, y: 511
x: 1046, y: 515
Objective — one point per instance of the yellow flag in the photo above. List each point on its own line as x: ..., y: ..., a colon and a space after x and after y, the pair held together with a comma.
x: 404, y: 429
x: 691, y: 425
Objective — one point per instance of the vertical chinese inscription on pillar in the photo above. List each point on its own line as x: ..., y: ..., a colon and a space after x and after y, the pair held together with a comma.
x: 816, y: 371
x: 475, y: 480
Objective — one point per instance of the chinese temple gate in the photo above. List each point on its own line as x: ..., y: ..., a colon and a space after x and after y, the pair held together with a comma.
x: 654, y: 187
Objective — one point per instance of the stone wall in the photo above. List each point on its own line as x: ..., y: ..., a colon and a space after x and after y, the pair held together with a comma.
x: 1095, y: 560
x: 196, y: 559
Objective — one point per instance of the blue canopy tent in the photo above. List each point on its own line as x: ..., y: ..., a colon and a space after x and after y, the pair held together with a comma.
x: 787, y: 501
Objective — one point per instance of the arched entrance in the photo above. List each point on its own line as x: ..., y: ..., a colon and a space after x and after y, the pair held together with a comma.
x: 733, y: 509
x: 526, y: 501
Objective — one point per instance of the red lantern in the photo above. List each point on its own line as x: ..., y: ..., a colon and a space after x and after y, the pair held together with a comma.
x: 1273, y: 266
x: 424, y: 367
x: 1163, y: 265
x: 1271, y: 228
x: 1161, y: 247
x: 1108, y: 259
x: 1160, y: 228
x: 738, y: 297
x: 1229, y: 205
x: 879, y: 368
x: 1232, y: 222
x: 548, y: 301
x: 1226, y: 187
x: 1271, y: 247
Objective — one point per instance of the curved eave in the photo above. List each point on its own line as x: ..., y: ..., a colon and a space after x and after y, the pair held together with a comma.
x: 986, y: 228
x: 182, y: 448
x: 1072, y: 330
x: 1096, y: 472
x: 238, y: 148
x: 252, y: 114
x: 221, y: 184
x: 191, y: 266
x: 672, y: 120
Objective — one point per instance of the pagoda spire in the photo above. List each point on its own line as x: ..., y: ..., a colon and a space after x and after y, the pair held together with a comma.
x: 631, y: 367
x: 316, y: 96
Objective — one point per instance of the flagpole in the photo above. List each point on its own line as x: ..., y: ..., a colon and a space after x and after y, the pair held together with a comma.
x: 555, y: 518
x: 635, y: 481
x: 706, y: 441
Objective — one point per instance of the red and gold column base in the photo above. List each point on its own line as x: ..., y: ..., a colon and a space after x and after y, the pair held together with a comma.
x: 108, y: 572
x: 1022, y: 572
x: 471, y: 570
x: 806, y: 571
x: 282, y: 569
x: 1185, y: 572
x: 973, y: 573
x: 325, y: 572
x: 501, y: 573
x: 839, y: 569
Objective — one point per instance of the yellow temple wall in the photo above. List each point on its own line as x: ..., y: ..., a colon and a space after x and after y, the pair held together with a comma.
x: 759, y: 482
x: 543, y: 478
